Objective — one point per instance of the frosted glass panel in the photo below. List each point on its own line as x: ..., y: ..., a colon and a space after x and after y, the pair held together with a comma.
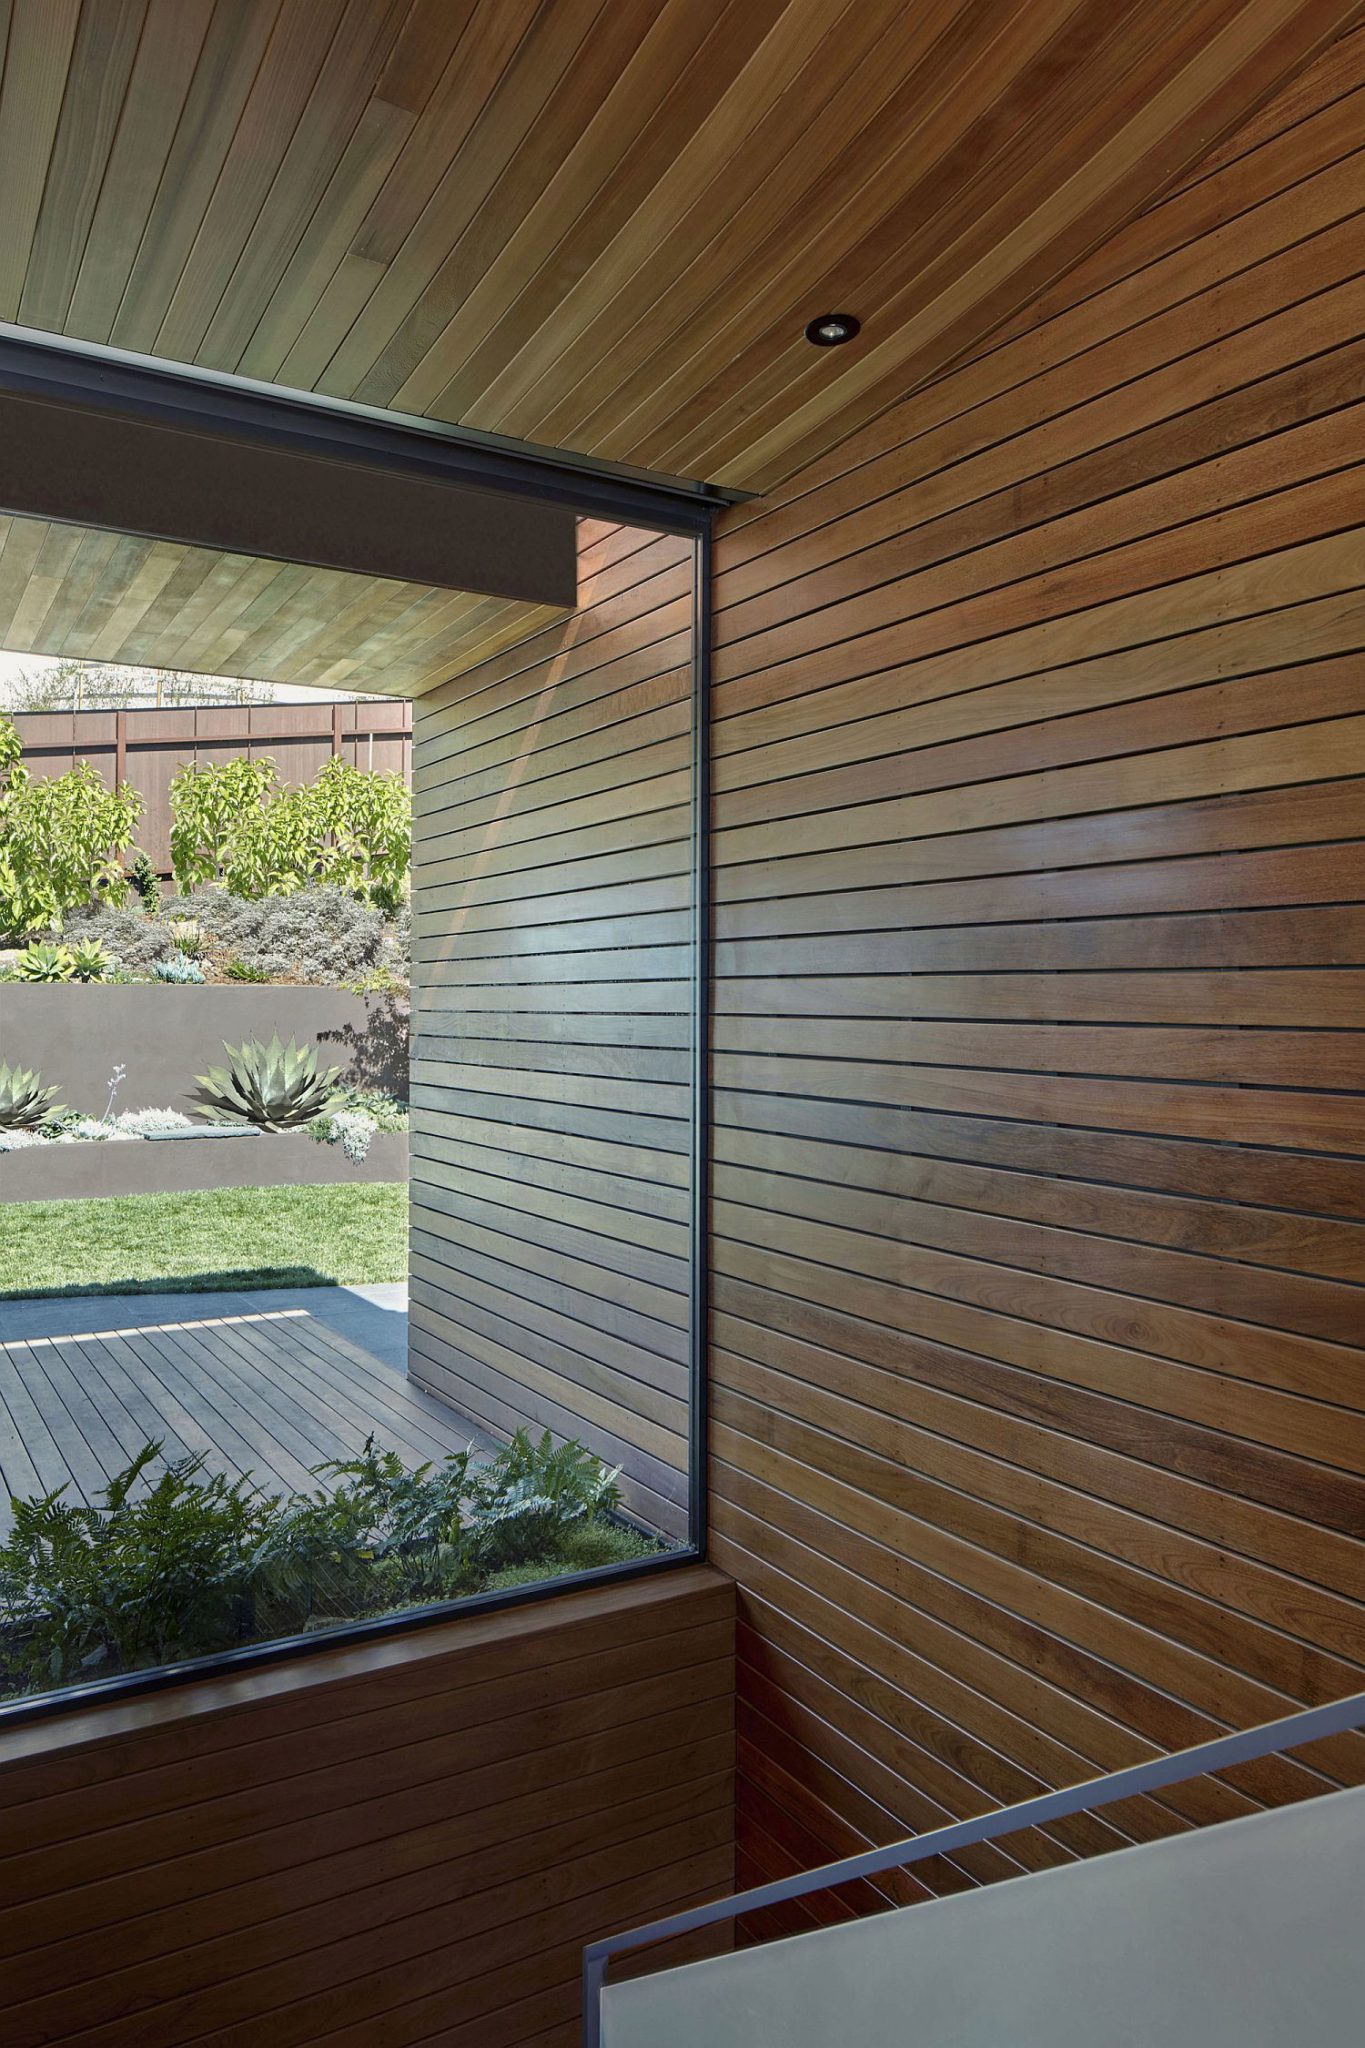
x: 1248, y: 1935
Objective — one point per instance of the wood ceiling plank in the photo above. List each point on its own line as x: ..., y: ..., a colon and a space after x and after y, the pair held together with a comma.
x: 327, y: 125
x: 37, y: 57
x: 50, y: 571
x: 983, y: 142
x: 1237, y: 69
x: 552, y: 84
x: 841, y: 93
x: 276, y: 104
x: 601, y: 224
x: 167, y: 57
x: 637, y: 137
x: 101, y: 66
x: 234, y: 49
x: 899, y: 153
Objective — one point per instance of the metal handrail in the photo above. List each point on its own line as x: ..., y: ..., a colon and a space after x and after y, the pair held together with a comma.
x: 1292, y: 1732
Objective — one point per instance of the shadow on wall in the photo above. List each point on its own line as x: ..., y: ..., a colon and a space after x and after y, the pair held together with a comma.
x: 377, y: 1051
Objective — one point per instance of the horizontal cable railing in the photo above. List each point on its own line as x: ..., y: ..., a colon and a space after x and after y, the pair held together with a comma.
x: 1292, y: 1732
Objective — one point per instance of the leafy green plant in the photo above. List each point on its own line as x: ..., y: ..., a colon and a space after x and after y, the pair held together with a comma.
x: 178, y: 967
x: 89, y: 960
x: 243, y: 970
x: 363, y: 825
x: 361, y: 1113
x: 209, y: 801
x: 145, y: 1578
x: 24, y: 1102
x: 42, y: 961
x: 180, y: 1564
x: 145, y: 882
x: 275, y: 1086
x: 62, y: 839
x: 533, y: 1488
x: 188, y: 935
x: 235, y: 826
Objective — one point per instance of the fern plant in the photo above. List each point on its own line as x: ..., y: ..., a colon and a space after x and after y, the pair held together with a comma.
x: 145, y: 1577
x: 276, y: 1087
x: 532, y: 1491
x: 24, y: 1102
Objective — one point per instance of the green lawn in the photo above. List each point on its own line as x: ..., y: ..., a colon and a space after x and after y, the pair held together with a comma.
x: 224, y: 1237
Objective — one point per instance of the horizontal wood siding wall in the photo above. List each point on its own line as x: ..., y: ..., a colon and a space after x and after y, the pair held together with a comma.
x: 398, y: 1844
x: 1040, y: 985
x: 551, y: 969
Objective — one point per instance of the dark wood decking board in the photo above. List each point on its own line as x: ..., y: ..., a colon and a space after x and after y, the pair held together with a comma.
x: 273, y: 1393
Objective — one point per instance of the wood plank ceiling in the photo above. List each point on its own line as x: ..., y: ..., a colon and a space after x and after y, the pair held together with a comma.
x: 86, y: 594
x: 597, y: 224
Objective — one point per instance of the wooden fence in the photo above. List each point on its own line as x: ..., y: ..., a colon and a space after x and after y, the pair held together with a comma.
x: 146, y: 747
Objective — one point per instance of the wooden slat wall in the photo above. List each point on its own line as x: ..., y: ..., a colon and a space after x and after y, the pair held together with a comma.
x: 1039, y: 1188
x: 406, y: 1844
x: 551, y: 963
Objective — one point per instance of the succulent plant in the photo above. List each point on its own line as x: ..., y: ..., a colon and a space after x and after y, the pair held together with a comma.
x: 275, y: 1086
x: 177, y: 967
x: 89, y: 960
x: 43, y: 961
x: 24, y: 1102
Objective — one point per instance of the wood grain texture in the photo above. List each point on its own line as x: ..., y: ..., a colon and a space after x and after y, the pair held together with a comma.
x: 83, y: 593
x: 602, y: 227
x: 1038, y: 1392
x: 552, y: 956
x: 407, y: 1841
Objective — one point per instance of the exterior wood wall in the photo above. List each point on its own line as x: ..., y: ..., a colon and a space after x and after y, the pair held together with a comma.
x: 552, y: 957
x: 398, y: 1844
x: 1039, y: 1187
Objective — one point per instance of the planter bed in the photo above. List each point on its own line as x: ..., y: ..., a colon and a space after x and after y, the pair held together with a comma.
x: 164, y: 1036
x: 142, y: 1166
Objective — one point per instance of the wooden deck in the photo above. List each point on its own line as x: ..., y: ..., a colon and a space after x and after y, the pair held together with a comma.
x: 267, y: 1384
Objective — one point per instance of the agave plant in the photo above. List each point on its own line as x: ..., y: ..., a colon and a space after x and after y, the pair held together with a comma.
x: 42, y: 961
x: 24, y: 1102
x: 89, y: 960
x: 274, y: 1086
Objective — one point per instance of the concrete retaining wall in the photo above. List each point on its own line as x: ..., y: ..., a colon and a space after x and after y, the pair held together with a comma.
x: 75, y: 1034
x: 49, y: 1173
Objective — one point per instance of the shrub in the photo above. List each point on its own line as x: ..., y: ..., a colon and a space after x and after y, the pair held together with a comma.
x: 61, y: 840
x: 233, y: 825
x: 24, y: 1102
x: 150, y: 1123
x: 274, y: 1086
x: 242, y: 970
x: 178, y: 967
x: 89, y: 1590
x: 318, y: 935
x: 145, y: 882
x: 362, y: 1113
x: 133, y: 940
x: 182, y: 1564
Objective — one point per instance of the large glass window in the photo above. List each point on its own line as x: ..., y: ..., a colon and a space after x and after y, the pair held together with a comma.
x: 297, y: 1405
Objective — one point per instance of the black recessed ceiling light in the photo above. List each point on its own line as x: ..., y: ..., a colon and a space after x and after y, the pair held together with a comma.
x: 830, y: 329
